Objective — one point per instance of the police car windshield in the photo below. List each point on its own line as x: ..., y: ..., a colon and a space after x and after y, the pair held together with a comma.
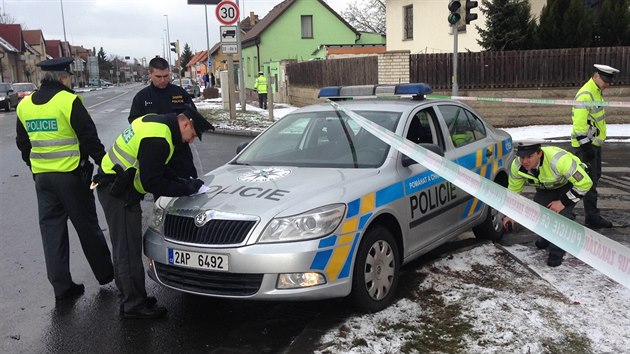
x: 321, y: 139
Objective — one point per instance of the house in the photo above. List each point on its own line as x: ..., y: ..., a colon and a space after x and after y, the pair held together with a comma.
x: 11, y: 50
x: 53, y: 48
x: 275, y: 39
x: 422, y: 26
x: 35, y: 39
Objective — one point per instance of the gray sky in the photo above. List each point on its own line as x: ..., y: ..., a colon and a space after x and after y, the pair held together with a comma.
x: 133, y: 28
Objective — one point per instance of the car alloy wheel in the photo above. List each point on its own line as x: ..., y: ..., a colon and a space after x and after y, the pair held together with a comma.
x: 376, y: 270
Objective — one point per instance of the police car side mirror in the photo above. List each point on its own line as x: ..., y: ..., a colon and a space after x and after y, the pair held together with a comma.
x: 408, y: 161
x: 241, y: 146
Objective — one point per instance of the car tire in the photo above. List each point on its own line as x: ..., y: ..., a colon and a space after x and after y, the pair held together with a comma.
x: 7, y: 106
x: 492, y: 227
x: 376, y: 271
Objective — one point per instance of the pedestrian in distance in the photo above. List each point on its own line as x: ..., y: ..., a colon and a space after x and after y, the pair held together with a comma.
x: 560, y: 180
x: 213, y: 80
x: 261, y: 87
x: 137, y: 164
x: 56, y: 137
x: 162, y: 97
x: 588, y: 136
x: 206, y: 80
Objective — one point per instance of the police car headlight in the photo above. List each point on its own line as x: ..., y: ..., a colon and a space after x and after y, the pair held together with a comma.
x: 311, y: 224
x: 159, y: 213
x: 2, y: 98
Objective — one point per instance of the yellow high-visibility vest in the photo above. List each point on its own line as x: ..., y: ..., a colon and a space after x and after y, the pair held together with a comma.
x: 261, y: 84
x: 54, y: 143
x: 589, y: 123
x: 124, y: 152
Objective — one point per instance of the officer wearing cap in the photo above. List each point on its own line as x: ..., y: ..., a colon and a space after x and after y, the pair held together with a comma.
x: 560, y: 180
x: 56, y: 137
x: 162, y: 97
x: 261, y: 87
x: 588, y: 136
x: 137, y: 164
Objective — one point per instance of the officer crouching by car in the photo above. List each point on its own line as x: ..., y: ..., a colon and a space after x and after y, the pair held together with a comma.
x: 137, y: 164
x: 56, y: 137
x: 560, y: 179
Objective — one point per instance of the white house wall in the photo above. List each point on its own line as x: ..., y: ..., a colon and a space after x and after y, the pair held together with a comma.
x: 431, y: 30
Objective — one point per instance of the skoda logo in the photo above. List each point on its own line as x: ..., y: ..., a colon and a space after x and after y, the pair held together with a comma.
x: 264, y: 175
x: 200, y: 219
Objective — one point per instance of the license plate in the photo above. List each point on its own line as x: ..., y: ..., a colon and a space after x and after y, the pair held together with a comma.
x: 207, y: 261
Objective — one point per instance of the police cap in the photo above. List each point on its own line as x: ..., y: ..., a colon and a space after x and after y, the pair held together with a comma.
x: 199, y: 122
x: 606, y: 72
x: 526, y: 148
x: 57, y: 64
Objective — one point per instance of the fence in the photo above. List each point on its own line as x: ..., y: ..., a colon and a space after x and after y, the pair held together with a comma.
x: 334, y: 72
x: 519, y: 69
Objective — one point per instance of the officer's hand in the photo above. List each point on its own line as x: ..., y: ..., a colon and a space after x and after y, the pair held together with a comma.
x: 508, y: 224
x: 193, y: 185
x: 588, y: 151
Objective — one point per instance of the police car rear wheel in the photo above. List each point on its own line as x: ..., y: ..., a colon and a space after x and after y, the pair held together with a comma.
x: 376, y: 271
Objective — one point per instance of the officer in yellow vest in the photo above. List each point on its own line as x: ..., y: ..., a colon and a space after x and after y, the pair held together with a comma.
x: 588, y: 136
x: 137, y: 164
x: 560, y: 180
x: 261, y: 88
x: 56, y: 136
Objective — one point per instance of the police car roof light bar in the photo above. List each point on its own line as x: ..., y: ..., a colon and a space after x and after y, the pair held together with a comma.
x: 416, y: 90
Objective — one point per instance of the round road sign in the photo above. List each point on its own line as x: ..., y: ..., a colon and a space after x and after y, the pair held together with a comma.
x: 227, y: 12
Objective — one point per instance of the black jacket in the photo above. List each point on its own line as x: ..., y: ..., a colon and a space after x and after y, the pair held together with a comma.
x: 80, y: 120
x: 151, y: 99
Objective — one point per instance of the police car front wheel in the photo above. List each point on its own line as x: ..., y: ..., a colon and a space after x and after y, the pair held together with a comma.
x: 376, y: 270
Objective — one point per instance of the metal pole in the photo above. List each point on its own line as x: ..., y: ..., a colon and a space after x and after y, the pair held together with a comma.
x: 168, y: 38
x: 163, y: 52
x: 208, y: 45
x: 455, y: 87
x: 230, y: 87
x: 63, y: 21
x: 241, y: 79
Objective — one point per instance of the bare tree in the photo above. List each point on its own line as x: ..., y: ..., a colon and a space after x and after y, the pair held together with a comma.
x: 367, y: 16
x: 6, y: 19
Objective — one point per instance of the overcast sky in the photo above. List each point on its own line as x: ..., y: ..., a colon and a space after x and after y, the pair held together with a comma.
x: 134, y: 28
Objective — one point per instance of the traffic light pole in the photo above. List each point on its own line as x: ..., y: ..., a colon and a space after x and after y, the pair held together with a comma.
x: 455, y: 87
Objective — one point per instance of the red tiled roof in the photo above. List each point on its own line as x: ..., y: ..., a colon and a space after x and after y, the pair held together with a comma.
x: 33, y: 37
x: 53, y: 48
x: 12, y: 33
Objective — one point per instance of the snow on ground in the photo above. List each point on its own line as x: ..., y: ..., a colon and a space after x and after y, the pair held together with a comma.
x: 482, y: 300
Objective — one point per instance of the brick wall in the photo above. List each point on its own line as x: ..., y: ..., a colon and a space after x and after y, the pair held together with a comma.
x: 393, y: 67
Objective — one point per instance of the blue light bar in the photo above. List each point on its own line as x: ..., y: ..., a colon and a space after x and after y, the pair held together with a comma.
x: 330, y: 91
x: 413, y: 89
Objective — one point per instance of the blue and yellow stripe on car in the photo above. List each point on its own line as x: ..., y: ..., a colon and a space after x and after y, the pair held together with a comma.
x: 336, y: 251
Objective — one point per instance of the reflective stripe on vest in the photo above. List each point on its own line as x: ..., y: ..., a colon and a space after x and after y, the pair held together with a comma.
x: 54, y: 143
x: 595, y: 129
x: 124, y: 152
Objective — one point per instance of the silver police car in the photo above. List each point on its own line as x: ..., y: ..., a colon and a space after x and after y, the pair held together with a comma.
x: 316, y: 207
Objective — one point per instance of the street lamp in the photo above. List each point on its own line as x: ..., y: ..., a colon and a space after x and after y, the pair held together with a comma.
x: 168, y: 38
x: 63, y: 21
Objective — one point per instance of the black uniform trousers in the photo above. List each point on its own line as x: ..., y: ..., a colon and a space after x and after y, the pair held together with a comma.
x: 63, y: 195
x: 125, y: 231
x: 546, y: 196
x: 591, y: 212
x: 262, y: 100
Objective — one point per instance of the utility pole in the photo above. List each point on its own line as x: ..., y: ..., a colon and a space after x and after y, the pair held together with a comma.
x: 241, y: 79
x: 168, y: 39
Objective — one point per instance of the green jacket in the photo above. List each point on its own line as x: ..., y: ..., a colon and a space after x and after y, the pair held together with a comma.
x: 557, y: 168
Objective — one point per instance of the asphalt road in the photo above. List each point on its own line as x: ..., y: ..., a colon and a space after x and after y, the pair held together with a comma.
x: 31, y: 323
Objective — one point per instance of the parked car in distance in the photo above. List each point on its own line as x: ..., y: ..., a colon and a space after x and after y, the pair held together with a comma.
x: 189, y: 85
x: 99, y: 83
x: 24, y: 89
x: 8, y: 97
x: 317, y: 207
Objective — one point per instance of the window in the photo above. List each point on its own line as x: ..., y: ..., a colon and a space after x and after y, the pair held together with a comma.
x: 464, y: 127
x: 422, y: 128
x: 307, y: 26
x: 249, y: 67
x: 408, y: 22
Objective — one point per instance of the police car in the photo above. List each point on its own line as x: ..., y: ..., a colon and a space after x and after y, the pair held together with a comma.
x: 317, y: 207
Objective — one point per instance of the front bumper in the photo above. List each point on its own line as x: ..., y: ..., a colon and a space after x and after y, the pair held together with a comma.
x: 253, y: 270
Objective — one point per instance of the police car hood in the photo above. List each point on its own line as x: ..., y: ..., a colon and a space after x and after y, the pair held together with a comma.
x: 276, y: 191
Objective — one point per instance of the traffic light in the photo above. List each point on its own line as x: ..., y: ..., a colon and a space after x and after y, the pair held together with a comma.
x: 175, y: 47
x: 470, y: 16
x: 454, y: 16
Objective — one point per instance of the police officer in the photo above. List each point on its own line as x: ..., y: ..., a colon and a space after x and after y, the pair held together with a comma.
x: 56, y: 135
x: 138, y: 164
x: 162, y: 97
x: 560, y: 180
x: 588, y: 136
x: 261, y: 87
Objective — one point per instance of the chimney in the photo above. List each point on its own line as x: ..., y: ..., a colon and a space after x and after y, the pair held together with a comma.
x: 252, y: 18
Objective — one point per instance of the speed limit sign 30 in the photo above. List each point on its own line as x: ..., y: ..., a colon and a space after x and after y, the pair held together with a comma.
x: 227, y: 12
